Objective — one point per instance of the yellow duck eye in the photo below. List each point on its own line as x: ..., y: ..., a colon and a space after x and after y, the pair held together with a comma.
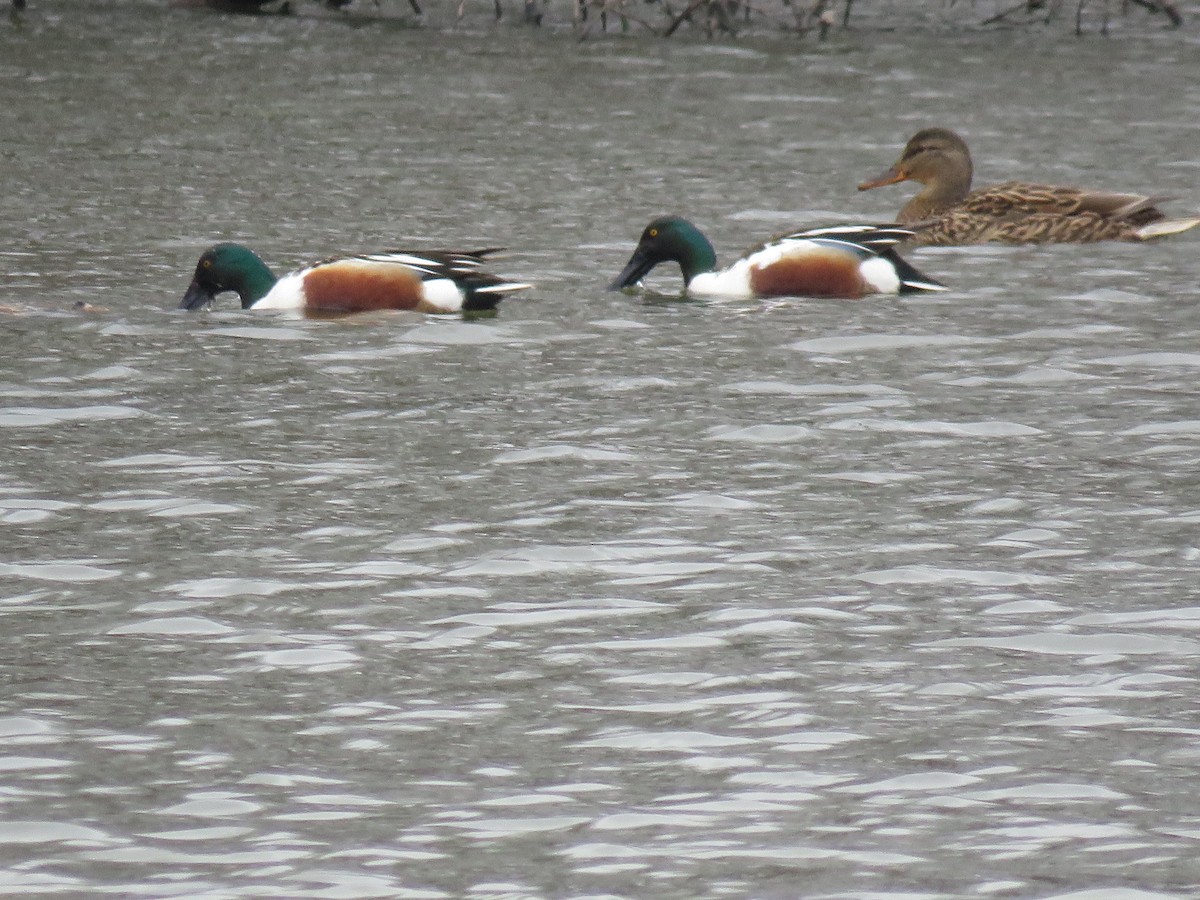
x: 207, y: 264
x: 653, y: 232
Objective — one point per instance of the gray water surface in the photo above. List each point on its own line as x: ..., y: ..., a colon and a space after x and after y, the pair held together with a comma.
x: 611, y: 594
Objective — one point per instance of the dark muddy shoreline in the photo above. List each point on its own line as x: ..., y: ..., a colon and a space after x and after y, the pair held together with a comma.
x: 818, y: 19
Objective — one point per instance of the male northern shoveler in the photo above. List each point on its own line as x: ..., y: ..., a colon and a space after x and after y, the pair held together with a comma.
x: 440, y: 281
x: 847, y: 261
x: 947, y: 212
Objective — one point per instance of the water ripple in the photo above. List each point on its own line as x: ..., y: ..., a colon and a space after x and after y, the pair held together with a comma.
x: 37, y: 417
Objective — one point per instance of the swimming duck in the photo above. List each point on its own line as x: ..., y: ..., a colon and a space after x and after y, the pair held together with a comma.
x: 847, y: 261
x: 947, y: 212
x: 426, y: 281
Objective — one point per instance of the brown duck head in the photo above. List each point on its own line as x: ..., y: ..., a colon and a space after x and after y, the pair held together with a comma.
x: 937, y: 158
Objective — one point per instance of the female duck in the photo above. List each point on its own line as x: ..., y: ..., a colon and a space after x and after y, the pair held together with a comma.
x: 848, y: 261
x: 433, y: 282
x: 947, y: 212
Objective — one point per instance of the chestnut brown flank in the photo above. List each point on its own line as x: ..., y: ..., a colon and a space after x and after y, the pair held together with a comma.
x: 822, y: 273
x: 356, y: 285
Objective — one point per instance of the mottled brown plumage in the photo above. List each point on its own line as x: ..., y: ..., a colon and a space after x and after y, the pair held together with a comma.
x: 947, y: 212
